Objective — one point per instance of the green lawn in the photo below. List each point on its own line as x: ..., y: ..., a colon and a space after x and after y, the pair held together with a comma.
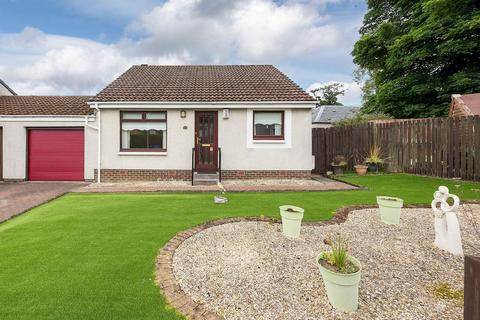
x: 91, y: 256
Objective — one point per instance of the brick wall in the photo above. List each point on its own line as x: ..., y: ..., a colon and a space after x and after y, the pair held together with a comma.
x: 265, y: 174
x: 120, y: 175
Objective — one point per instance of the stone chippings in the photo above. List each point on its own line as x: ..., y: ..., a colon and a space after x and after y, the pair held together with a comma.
x: 249, y: 270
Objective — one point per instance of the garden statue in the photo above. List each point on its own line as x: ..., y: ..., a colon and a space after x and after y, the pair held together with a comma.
x: 447, y: 229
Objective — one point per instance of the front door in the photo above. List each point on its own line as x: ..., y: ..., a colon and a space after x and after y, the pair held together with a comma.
x: 206, y: 141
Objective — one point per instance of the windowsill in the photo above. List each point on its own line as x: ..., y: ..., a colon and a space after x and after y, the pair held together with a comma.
x: 269, y: 141
x: 142, y: 153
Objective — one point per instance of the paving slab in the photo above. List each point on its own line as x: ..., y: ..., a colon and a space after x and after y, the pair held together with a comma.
x: 317, y: 184
x: 16, y: 198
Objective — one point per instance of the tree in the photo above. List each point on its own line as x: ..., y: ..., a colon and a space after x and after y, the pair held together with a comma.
x: 417, y: 53
x: 328, y: 94
x: 361, y: 118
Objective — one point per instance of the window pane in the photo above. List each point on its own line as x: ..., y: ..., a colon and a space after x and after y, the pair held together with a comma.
x: 156, y: 115
x: 132, y: 115
x: 144, y: 126
x: 268, y: 123
x: 144, y: 135
x: 138, y: 139
x: 155, y: 139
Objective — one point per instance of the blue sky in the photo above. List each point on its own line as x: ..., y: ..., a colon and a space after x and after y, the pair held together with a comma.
x: 78, y: 46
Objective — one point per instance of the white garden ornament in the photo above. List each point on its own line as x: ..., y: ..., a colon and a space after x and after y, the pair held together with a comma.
x: 447, y: 229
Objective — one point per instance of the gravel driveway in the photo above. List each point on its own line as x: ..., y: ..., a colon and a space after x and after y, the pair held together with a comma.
x: 248, y: 270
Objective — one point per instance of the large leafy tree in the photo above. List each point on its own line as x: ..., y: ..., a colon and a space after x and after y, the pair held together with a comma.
x: 417, y: 53
x: 327, y: 95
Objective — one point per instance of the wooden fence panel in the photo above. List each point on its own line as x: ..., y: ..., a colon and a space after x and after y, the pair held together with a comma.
x: 471, y: 309
x: 442, y: 147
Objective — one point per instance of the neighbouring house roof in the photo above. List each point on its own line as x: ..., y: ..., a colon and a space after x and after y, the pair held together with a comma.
x: 203, y: 83
x: 331, y: 114
x: 465, y: 105
x: 44, y: 105
x: 7, y: 87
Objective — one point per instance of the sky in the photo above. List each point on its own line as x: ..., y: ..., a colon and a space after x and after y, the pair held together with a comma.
x: 76, y: 47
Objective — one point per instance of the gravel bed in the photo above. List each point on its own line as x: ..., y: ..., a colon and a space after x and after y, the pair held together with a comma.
x: 249, y: 270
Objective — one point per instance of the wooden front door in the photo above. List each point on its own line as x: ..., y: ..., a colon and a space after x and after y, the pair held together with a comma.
x: 206, y: 141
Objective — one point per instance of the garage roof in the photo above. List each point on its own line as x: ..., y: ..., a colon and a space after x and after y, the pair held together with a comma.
x: 203, y: 83
x: 44, y: 105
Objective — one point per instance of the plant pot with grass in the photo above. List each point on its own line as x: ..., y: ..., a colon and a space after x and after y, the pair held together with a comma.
x: 291, y: 220
x: 374, y: 159
x: 390, y: 209
x: 338, y: 164
x: 361, y: 169
x: 341, y: 274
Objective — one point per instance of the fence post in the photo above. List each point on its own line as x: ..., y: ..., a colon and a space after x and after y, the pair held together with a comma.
x: 471, y: 309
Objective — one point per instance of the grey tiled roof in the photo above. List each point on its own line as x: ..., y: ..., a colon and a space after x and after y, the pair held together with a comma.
x: 331, y: 114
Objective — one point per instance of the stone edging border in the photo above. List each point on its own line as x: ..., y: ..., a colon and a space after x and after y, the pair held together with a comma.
x: 177, y: 298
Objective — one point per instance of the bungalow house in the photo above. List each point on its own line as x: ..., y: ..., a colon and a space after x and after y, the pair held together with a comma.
x: 326, y: 116
x: 465, y: 105
x: 164, y: 123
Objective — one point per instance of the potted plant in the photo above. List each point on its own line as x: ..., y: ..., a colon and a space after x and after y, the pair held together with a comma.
x: 390, y: 209
x: 291, y: 220
x: 361, y: 169
x: 339, y: 162
x: 341, y: 274
x: 374, y: 159
x: 220, y: 199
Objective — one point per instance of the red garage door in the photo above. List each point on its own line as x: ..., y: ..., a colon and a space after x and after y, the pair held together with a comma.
x: 55, y: 154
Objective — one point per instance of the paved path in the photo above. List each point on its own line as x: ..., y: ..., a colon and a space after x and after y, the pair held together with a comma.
x: 319, y: 184
x: 16, y: 198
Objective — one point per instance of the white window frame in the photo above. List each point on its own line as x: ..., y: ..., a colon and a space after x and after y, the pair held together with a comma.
x: 286, y: 143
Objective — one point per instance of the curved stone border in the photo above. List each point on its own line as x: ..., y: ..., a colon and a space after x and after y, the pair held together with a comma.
x: 178, y: 299
x: 165, y: 277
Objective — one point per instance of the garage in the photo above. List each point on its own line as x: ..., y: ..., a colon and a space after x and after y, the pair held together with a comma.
x: 55, y: 154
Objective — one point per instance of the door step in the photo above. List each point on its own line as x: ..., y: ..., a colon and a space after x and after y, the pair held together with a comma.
x: 205, y: 179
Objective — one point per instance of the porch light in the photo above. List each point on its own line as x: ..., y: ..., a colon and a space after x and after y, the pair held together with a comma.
x: 183, y: 113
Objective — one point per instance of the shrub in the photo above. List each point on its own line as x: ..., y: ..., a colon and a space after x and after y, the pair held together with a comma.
x: 374, y: 156
x: 339, y: 160
x: 361, y: 118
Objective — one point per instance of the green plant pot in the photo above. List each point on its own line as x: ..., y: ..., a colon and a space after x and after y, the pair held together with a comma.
x: 342, y: 289
x: 390, y: 209
x: 291, y: 221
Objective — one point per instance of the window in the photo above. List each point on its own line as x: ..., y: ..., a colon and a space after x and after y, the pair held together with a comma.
x: 268, y: 125
x: 143, y: 131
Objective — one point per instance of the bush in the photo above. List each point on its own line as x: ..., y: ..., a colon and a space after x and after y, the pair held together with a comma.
x: 361, y: 118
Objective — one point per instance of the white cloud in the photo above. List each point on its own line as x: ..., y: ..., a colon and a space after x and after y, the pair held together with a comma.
x: 249, y: 30
x: 353, y: 92
x: 38, y: 63
x: 293, y: 34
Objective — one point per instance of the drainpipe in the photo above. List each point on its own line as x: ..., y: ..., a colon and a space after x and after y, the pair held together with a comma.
x: 99, y: 141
